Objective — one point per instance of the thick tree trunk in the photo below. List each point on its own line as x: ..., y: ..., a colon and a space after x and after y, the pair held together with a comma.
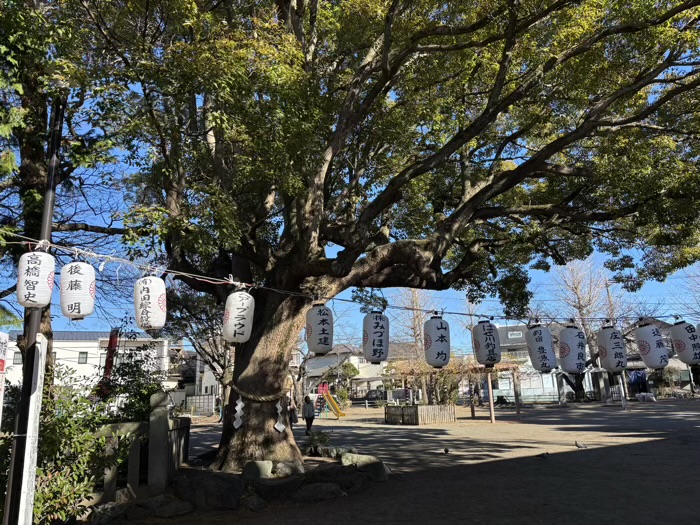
x: 261, y: 369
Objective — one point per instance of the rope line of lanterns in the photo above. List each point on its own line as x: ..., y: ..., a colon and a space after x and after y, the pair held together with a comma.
x: 36, y: 277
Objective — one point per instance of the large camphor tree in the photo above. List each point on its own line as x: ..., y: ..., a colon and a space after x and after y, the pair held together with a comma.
x: 314, y: 146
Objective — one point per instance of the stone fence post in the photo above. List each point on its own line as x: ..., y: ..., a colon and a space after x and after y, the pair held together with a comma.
x: 158, y: 449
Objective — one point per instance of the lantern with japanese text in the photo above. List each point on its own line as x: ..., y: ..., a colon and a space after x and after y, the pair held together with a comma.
x: 319, y: 329
x: 77, y: 290
x: 375, y: 337
x: 487, y: 344
x: 651, y: 346
x: 611, y: 349
x: 436, y: 341
x: 238, y: 317
x: 149, y: 303
x: 36, y: 277
x: 572, y: 349
x: 686, y: 342
x: 541, y: 348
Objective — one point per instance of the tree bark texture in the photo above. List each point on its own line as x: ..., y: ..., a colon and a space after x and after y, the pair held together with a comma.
x: 261, y: 369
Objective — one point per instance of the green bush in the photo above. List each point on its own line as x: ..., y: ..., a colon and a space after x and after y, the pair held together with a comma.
x: 70, y: 456
x: 343, y: 397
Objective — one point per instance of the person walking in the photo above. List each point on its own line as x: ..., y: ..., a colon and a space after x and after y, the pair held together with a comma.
x: 308, y: 412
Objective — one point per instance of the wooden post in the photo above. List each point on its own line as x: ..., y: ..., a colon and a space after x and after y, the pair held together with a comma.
x: 623, y: 394
x: 516, y: 390
x: 490, y: 389
x: 562, y: 390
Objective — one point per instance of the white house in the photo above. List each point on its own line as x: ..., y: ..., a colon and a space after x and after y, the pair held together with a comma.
x: 86, y: 352
x: 325, y: 366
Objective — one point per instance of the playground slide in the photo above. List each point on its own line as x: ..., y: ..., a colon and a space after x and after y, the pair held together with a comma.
x: 333, y: 405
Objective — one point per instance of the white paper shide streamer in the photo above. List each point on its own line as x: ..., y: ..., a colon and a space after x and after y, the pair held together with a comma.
x: 375, y: 337
x: 487, y: 343
x: 436, y: 341
x: 35, y: 279
x: 319, y: 329
x: 279, y: 426
x: 78, y: 289
x: 238, y: 416
x: 149, y: 303
x: 238, y: 317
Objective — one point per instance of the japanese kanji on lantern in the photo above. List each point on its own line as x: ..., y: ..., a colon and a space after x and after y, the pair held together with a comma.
x: 36, y: 278
x: 238, y: 317
x: 319, y: 329
x: 541, y: 348
x: 77, y: 290
x: 375, y: 337
x: 487, y: 344
x: 572, y: 349
x: 611, y: 349
x: 686, y: 342
x: 149, y: 303
x: 436, y: 341
x: 651, y: 345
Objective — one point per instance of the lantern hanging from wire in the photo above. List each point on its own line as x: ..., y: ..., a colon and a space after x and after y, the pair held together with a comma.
x: 149, y: 303
x: 686, y: 342
x: 319, y: 329
x: 651, y: 345
x: 78, y: 289
x: 35, y: 279
x: 611, y: 349
x: 436, y: 341
x: 238, y: 317
x: 572, y: 349
x: 541, y: 348
x: 486, y: 343
x: 375, y: 337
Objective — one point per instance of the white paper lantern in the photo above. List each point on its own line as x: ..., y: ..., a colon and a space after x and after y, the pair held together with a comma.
x: 375, y: 337
x: 319, y: 329
x: 487, y: 344
x: 36, y: 278
x: 436, y: 341
x: 611, y: 349
x: 686, y: 342
x: 572, y: 349
x: 238, y: 317
x: 541, y: 348
x: 651, y: 346
x: 149, y: 303
x: 78, y: 290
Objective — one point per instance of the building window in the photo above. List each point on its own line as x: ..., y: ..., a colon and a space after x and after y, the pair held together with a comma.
x: 82, y: 358
x: 53, y: 357
x: 206, y: 389
x: 17, y: 358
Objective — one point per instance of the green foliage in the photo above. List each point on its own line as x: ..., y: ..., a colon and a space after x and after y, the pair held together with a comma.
x: 70, y: 457
x: 343, y: 396
x: 135, y: 378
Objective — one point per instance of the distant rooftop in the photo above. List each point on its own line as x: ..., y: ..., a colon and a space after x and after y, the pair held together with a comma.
x: 82, y: 336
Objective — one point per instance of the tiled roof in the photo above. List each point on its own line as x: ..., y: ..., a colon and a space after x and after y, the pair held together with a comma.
x: 79, y: 336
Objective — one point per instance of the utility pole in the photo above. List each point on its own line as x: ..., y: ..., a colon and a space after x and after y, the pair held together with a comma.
x: 19, y: 501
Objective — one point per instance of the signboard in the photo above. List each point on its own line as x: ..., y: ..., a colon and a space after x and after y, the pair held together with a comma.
x: 4, y: 338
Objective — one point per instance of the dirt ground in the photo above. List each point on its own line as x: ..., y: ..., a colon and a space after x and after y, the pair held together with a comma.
x: 639, y: 466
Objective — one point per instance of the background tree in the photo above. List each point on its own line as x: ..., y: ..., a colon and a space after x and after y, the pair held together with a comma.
x: 316, y: 147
